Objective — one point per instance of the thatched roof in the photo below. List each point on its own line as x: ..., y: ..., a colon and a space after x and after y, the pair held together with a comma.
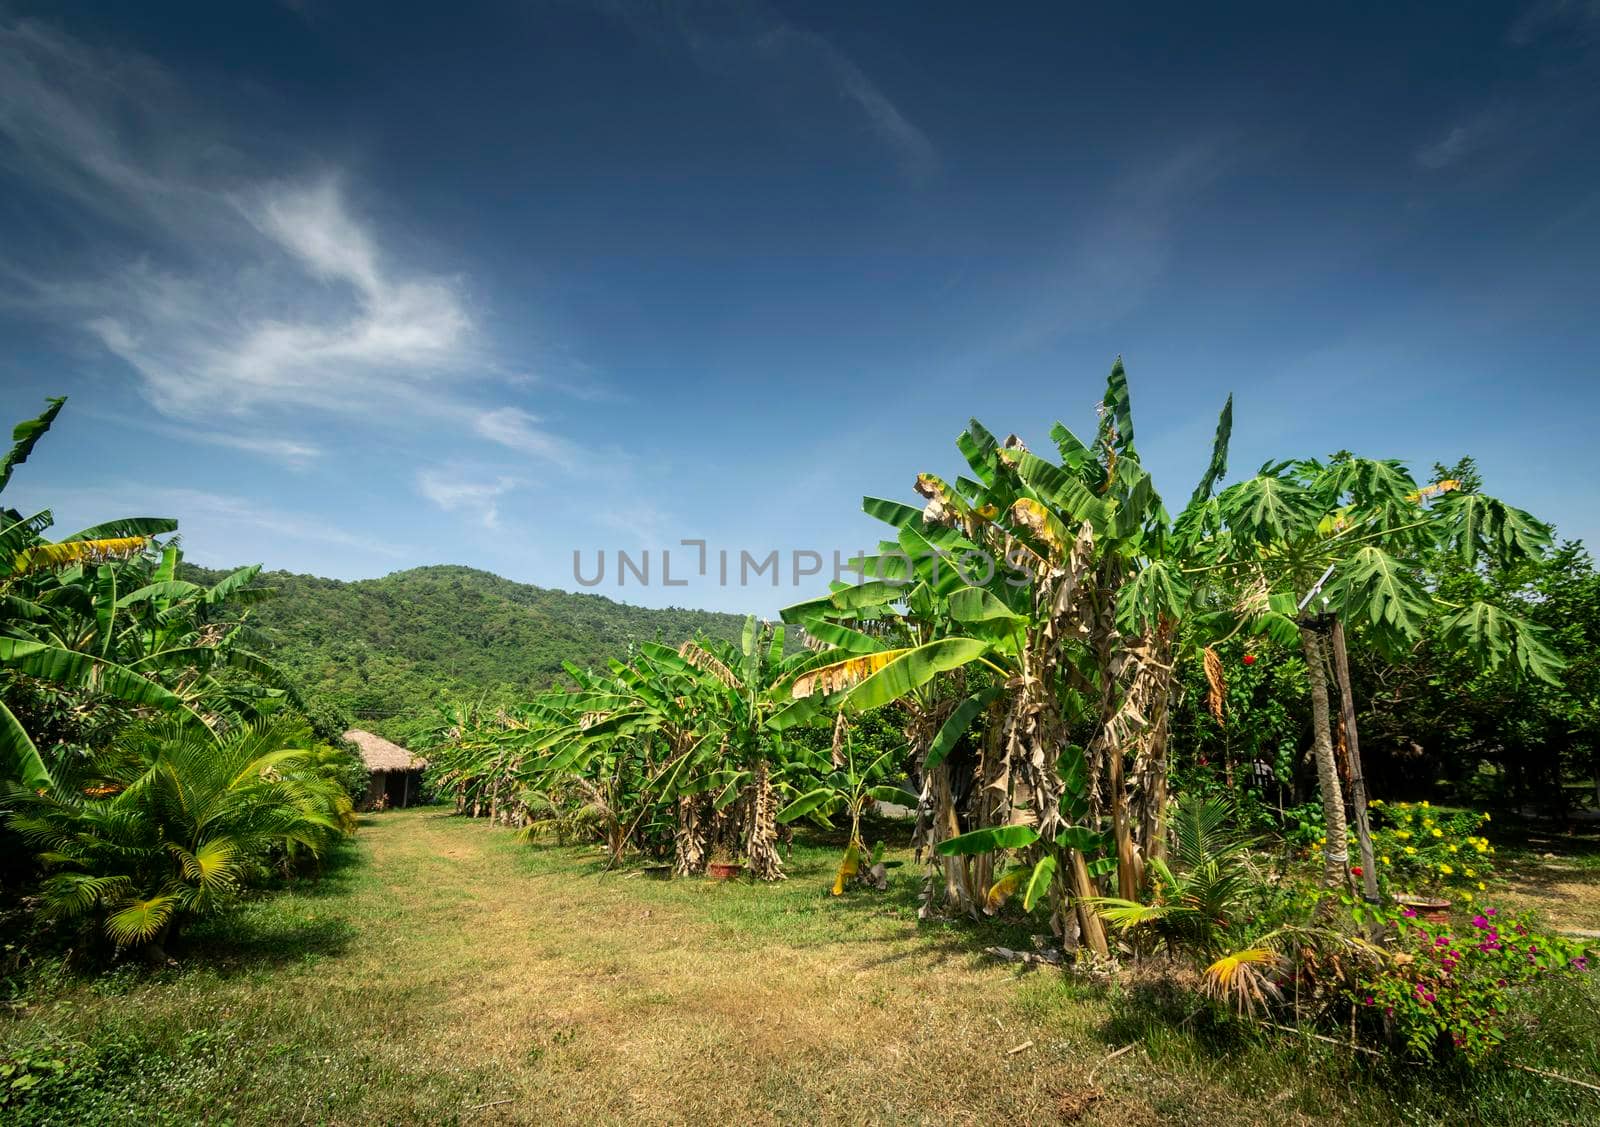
x: 381, y: 755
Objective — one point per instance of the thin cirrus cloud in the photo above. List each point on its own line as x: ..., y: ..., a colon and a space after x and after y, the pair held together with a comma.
x: 756, y: 42
x: 518, y: 430
x: 1463, y: 140
x: 342, y: 326
x: 240, y: 297
x: 453, y: 491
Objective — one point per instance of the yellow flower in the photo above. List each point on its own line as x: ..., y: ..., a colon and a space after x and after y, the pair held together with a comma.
x: 1322, y: 840
x: 1481, y: 886
x: 1446, y: 870
x: 1437, y: 832
x: 1424, y: 802
x: 1385, y: 858
x: 1472, y: 872
x: 1455, y: 849
x: 1403, y: 834
x: 1375, y: 802
x: 1486, y: 817
x: 1411, y: 849
x: 1481, y: 847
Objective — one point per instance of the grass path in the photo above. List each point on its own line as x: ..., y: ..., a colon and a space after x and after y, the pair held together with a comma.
x: 445, y: 973
x: 579, y: 996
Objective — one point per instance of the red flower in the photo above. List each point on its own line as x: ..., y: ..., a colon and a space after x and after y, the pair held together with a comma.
x: 1249, y: 659
x: 1355, y: 870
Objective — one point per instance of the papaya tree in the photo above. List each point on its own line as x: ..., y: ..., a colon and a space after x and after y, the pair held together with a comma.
x: 1324, y: 547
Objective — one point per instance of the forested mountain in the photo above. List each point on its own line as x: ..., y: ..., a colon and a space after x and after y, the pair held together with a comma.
x: 387, y: 651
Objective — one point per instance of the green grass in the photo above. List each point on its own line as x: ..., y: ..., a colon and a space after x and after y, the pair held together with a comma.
x: 441, y: 972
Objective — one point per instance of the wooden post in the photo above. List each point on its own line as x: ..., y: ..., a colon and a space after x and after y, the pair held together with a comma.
x: 405, y: 790
x: 1358, y: 786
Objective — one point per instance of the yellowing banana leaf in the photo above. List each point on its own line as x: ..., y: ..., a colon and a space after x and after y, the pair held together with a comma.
x: 1002, y: 890
x: 43, y: 557
x: 849, y: 866
x: 704, y: 661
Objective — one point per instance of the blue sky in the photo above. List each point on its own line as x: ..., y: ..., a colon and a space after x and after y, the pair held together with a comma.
x: 348, y: 289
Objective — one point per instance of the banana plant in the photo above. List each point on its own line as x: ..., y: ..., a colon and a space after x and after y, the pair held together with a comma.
x: 38, y: 578
x: 1044, y: 856
x: 1057, y: 589
x: 844, y: 788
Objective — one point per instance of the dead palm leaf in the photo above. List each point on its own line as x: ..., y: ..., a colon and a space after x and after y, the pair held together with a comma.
x: 1243, y: 980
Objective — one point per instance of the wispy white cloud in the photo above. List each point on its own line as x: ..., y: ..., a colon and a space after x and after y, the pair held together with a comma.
x: 1464, y: 139
x: 640, y: 521
x: 290, y: 452
x: 918, y: 159
x: 295, y: 453
x: 215, y: 512
x: 749, y: 37
x: 212, y: 522
x: 454, y: 491
x: 242, y: 297
x: 311, y: 317
x: 1113, y: 256
x: 518, y: 430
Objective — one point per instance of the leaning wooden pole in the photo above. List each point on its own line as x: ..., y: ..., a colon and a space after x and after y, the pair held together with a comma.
x: 1358, y: 785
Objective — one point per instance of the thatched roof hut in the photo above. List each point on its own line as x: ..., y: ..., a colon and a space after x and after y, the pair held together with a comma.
x: 395, y: 775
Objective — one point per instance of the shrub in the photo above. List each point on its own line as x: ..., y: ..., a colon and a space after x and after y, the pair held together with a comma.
x: 1420, y: 847
x: 174, y: 824
x: 1450, y: 990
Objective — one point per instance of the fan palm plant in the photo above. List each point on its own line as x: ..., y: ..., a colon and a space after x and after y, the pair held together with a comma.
x: 1196, y: 902
x: 175, y: 824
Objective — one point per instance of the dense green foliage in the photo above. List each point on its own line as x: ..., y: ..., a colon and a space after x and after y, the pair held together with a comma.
x: 153, y: 763
x: 386, y: 653
x: 1041, y: 650
x: 1028, y: 625
x: 173, y: 824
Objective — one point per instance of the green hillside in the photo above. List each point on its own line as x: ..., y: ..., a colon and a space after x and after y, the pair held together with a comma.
x: 387, y: 651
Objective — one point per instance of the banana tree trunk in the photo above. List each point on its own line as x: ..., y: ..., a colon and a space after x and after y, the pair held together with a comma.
x: 692, y: 840
x: 942, y: 824
x: 1091, y: 930
x: 762, y: 849
x: 1358, y: 784
x: 1336, y: 850
x: 1154, y: 785
x: 1127, y: 876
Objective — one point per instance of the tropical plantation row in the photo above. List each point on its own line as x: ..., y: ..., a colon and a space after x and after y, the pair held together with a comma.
x: 1136, y: 731
x: 1033, y: 628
